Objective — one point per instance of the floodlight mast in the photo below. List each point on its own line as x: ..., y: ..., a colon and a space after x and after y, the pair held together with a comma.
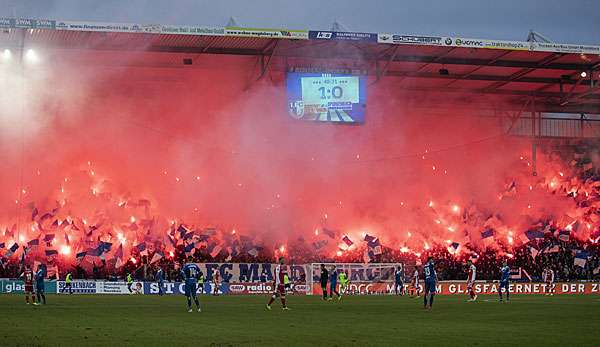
x: 534, y: 36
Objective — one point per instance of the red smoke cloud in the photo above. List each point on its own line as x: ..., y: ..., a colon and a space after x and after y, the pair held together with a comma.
x: 210, y: 148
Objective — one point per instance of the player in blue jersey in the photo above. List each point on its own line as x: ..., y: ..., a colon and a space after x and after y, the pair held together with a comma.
x: 399, y: 281
x: 333, y: 277
x: 160, y: 278
x: 39, y: 285
x: 190, y: 274
x: 430, y: 279
x: 504, y: 277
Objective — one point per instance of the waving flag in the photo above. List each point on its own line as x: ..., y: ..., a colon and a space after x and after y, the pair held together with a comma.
x: 534, y: 235
x: 534, y: 252
x: 374, y: 243
x: 141, y: 247
x: 215, y: 251
x: 157, y: 256
x: 253, y: 252
x: 377, y: 250
x: 487, y: 236
x: 182, y: 231
x: 33, y: 244
x: 564, y: 235
x: 369, y: 238
x: 189, y: 249
x: 51, y: 254
x: 580, y: 258
x: 11, y: 250
x: 80, y: 255
x: 104, y: 247
x: 453, y: 247
x: 347, y: 240
x: 93, y: 252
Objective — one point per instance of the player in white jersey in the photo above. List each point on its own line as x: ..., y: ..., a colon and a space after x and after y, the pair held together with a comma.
x: 471, y: 281
x: 415, y: 283
x: 548, y: 276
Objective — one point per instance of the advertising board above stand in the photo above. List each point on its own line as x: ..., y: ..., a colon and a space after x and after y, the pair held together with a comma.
x: 382, y: 38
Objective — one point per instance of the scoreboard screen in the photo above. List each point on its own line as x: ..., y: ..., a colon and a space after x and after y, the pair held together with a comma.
x: 327, y: 97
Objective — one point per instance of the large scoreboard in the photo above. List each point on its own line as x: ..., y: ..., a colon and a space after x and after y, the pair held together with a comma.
x: 327, y: 97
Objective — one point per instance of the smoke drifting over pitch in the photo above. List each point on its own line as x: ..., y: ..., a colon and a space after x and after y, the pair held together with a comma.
x: 208, y: 148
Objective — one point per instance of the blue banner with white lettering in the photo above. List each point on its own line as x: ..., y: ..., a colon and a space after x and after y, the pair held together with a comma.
x: 178, y: 288
x: 342, y: 36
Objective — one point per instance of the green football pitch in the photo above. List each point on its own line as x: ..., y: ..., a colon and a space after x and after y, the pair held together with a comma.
x: 355, y: 321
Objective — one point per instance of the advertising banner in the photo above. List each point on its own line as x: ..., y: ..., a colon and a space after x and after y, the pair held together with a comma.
x: 263, y: 288
x: 342, y: 36
x: 18, y: 287
x: 410, y: 39
x: 100, y: 287
x: 239, y: 288
x: 178, y: 288
x: 119, y: 288
x: 564, y: 48
x: 267, y: 33
x: 460, y: 288
x: 186, y: 30
x: 23, y: 23
x: 490, y: 44
x: 79, y: 287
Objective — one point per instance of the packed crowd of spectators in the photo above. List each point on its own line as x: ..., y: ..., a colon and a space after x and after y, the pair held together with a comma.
x: 530, y: 258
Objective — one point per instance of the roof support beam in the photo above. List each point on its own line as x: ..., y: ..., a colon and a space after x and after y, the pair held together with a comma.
x: 525, y: 71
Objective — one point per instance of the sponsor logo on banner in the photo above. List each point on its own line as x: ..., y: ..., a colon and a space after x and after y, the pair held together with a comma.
x: 491, y: 44
x: 263, y: 288
x: 416, y: 40
x: 101, y: 27
x: 384, y: 38
x: 468, y: 43
x: 564, y: 48
x: 45, y: 24
x: 120, y: 288
x: 23, y: 23
x: 79, y: 287
x: 18, y: 287
x: 7, y: 23
x: 191, y: 30
x: 178, y: 288
x: 342, y: 35
x: 324, y: 35
x: 460, y: 288
x: 268, y: 33
x: 7, y: 286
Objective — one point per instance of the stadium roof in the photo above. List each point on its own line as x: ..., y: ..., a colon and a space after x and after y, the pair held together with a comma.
x: 515, y: 71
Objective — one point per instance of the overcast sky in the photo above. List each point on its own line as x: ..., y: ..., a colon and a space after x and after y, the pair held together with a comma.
x: 569, y: 21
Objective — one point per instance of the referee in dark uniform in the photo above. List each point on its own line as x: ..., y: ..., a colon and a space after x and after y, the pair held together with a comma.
x: 324, y: 278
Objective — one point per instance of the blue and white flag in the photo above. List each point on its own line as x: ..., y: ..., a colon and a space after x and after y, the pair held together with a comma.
x: 534, y: 234
x: 580, y: 258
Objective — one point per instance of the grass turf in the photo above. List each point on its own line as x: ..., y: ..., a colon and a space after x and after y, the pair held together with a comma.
x: 81, y: 320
